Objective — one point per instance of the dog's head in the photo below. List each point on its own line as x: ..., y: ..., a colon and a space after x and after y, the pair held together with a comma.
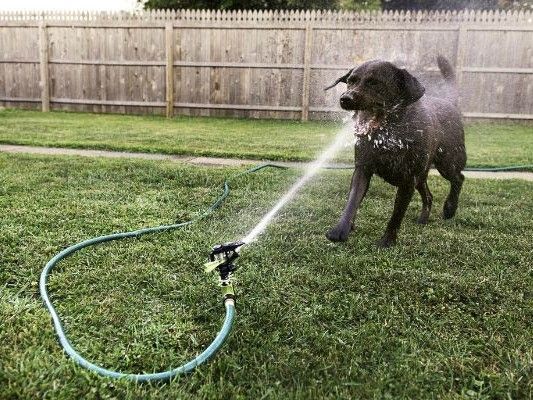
x: 378, y: 86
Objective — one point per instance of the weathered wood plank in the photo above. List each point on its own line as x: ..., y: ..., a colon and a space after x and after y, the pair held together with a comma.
x: 169, y: 87
x: 257, y: 107
x: 307, y: 71
x: 461, y: 49
x: 45, y: 75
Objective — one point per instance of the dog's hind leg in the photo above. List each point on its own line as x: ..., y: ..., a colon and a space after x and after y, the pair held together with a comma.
x: 452, y: 201
x: 450, y: 161
x: 456, y: 178
x: 403, y: 198
x: 427, y: 199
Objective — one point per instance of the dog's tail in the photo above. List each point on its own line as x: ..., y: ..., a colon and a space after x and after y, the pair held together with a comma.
x: 449, y: 76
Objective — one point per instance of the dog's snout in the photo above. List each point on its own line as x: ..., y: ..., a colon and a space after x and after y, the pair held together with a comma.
x: 346, y: 101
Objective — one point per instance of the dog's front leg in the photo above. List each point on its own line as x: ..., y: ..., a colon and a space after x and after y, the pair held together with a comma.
x: 360, y: 183
x: 403, y: 198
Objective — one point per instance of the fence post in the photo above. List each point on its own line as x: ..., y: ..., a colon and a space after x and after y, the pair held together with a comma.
x: 307, y: 68
x: 169, y: 87
x: 43, y: 63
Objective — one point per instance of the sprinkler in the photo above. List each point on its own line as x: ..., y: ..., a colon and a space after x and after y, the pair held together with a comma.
x: 222, y: 259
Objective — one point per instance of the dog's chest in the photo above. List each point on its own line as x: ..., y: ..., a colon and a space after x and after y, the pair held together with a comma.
x: 394, y: 153
x: 382, y: 141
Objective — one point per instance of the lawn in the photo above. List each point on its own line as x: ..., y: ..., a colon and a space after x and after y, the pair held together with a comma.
x: 488, y: 144
x: 445, y: 314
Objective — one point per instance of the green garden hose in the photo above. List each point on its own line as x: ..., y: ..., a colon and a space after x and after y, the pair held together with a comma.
x: 509, y: 168
x: 229, y: 302
x: 227, y: 290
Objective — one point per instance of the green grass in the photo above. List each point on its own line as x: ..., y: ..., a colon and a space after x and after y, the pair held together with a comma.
x: 488, y: 144
x: 445, y: 314
x: 218, y: 137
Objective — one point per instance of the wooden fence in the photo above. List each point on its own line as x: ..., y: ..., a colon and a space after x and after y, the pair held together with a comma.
x: 254, y: 64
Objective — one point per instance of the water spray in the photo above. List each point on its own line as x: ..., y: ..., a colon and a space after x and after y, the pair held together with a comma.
x: 221, y: 259
x: 222, y: 256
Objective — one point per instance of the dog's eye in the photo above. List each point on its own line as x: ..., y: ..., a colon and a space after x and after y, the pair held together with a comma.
x: 372, y: 82
x: 353, y: 80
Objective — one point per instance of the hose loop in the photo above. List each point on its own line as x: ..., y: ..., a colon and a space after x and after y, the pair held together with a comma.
x: 228, y: 294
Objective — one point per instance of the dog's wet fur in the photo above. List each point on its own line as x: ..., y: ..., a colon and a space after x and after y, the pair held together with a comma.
x: 400, y: 132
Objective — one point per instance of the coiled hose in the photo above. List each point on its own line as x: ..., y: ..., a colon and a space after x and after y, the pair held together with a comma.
x: 229, y: 303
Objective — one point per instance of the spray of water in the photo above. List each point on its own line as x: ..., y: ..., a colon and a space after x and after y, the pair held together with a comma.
x: 339, y: 141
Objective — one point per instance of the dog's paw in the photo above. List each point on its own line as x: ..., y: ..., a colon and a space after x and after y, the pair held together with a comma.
x: 339, y: 233
x: 449, y: 209
x: 422, y: 220
x: 385, y: 242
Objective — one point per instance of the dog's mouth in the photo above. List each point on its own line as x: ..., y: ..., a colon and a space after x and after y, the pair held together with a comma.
x: 364, y: 124
x: 360, y: 102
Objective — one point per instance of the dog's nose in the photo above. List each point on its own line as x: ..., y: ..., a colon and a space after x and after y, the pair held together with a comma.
x: 346, y: 101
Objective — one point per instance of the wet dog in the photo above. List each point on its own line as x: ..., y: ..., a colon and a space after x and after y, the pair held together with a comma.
x: 400, y: 132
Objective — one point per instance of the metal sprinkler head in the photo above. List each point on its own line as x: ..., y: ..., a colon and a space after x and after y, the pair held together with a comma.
x: 222, y: 259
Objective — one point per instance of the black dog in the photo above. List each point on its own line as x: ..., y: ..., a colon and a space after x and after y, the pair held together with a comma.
x: 400, y: 133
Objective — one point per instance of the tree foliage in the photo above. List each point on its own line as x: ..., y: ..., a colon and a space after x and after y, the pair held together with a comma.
x: 241, y: 4
x: 357, y: 5
x: 456, y: 4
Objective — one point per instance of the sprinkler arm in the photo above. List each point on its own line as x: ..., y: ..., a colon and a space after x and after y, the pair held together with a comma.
x: 222, y: 254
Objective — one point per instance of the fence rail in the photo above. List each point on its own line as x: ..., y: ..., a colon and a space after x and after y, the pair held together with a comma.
x: 254, y: 63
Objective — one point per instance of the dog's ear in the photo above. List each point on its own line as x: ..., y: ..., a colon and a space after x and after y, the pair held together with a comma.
x: 341, y: 79
x: 411, y: 89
